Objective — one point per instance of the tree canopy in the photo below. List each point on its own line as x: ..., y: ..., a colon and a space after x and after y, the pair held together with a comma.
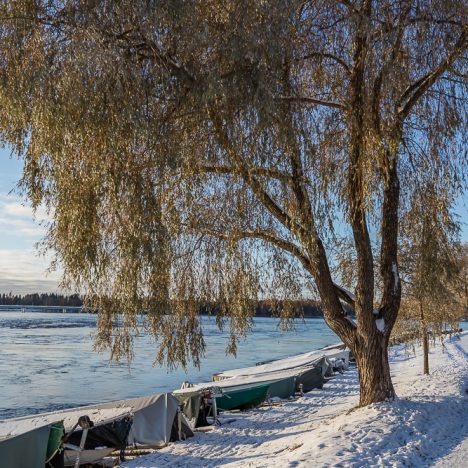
x: 214, y: 152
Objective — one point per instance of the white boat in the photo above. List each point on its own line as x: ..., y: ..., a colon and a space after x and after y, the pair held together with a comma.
x: 291, y: 364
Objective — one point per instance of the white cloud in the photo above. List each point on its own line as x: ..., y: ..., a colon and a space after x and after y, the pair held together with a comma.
x: 19, y: 219
x: 23, y: 271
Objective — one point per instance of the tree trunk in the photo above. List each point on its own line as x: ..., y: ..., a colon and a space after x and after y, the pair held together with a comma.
x: 425, y: 340
x: 374, y: 370
x: 426, y: 350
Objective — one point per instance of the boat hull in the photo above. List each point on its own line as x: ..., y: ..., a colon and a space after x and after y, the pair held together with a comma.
x: 244, y: 398
x: 26, y: 450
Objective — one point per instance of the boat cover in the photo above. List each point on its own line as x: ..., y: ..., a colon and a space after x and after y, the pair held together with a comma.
x: 307, y: 359
x: 312, y: 378
x: 153, y: 419
x: 25, y: 450
x: 111, y: 434
x: 69, y: 417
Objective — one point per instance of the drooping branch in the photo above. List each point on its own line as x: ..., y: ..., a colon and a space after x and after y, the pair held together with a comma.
x: 330, y: 56
x: 416, y: 90
x: 263, y: 235
x: 229, y: 170
x: 337, y: 318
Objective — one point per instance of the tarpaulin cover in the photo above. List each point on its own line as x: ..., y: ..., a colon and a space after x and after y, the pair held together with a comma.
x: 111, y: 434
x: 153, y: 417
x: 26, y: 450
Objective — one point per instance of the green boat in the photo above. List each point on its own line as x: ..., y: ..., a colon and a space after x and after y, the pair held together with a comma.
x: 242, y: 397
x: 282, y: 388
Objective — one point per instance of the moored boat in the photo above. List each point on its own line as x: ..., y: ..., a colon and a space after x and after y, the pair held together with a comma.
x: 242, y: 398
x: 13, y: 452
x: 60, y: 429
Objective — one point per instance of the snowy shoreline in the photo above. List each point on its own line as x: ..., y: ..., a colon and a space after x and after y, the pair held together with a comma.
x: 426, y: 426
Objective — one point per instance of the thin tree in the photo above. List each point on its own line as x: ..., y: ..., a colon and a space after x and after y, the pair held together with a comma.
x: 431, y: 260
x: 205, y: 152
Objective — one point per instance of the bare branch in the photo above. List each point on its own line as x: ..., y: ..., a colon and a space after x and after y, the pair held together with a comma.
x: 333, y: 57
x: 418, y: 88
x: 309, y: 100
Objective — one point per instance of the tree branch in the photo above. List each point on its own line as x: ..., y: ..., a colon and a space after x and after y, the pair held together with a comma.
x: 391, y: 294
x: 255, y: 185
x: 317, y: 266
x: 309, y: 100
x: 418, y: 88
x: 380, y: 78
x: 258, y: 171
x: 356, y: 182
x: 333, y: 57
x: 266, y: 236
x: 293, y: 249
x: 345, y: 295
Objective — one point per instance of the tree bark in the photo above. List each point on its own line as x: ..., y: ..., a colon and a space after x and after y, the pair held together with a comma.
x: 374, y: 370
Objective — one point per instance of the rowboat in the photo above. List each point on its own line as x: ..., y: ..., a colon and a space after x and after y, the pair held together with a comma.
x: 45, y: 434
x: 237, y: 393
x: 90, y: 433
x: 12, y: 447
x: 292, y: 364
x: 242, y: 398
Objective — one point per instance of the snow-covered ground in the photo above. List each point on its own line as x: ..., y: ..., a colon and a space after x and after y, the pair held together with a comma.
x: 426, y: 426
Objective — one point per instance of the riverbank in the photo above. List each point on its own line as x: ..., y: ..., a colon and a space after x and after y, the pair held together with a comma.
x: 425, y: 426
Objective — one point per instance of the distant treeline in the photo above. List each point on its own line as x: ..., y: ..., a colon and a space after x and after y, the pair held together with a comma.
x: 265, y: 308
x: 268, y: 308
x: 45, y: 299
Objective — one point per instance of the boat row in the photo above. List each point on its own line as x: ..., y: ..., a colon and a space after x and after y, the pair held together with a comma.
x: 245, y: 388
x: 87, y: 434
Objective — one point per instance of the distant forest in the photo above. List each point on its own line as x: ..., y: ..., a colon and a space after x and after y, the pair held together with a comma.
x: 44, y: 299
x: 264, y: 308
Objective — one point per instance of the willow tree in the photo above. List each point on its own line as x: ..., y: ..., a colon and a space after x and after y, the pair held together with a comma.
x: 205, y: 153
x: 431, y: 259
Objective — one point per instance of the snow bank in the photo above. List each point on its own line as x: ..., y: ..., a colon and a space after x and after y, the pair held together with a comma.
x: 426, y: 426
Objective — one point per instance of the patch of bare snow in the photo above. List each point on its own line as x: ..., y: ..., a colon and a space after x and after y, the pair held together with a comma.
x: 380, y: 324
x: 345, y: 291
x: 425, y: 426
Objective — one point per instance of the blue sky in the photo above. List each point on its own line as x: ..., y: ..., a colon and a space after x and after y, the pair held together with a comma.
x: 22, y: 270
